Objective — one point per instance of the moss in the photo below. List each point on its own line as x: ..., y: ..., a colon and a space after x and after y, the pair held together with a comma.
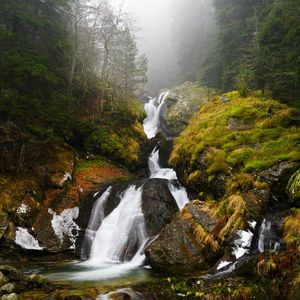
x: 270, y: 141
x: 293, y: 187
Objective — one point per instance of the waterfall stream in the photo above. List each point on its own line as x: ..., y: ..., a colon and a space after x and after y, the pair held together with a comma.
x: 116, y: 242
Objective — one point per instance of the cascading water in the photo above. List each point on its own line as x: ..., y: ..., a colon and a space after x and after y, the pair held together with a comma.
x: 117, y: 241
x: 153, y: 108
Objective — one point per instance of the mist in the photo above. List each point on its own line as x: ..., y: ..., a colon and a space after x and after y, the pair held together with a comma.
x: 170, y: 33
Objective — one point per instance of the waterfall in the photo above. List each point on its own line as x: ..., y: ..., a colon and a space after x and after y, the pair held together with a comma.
x: 116, y: 242
x: 153, y: 108
x: 121, y: 230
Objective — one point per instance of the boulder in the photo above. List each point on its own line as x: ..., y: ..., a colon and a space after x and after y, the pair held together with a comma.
x: 11, y: 273
x: 12, y: 296
x: 188, y: 243
x: 7, y: 288
x: 180, y: 105
x: 278, y: 177
x: 158, y: 205
x: 3, y: 279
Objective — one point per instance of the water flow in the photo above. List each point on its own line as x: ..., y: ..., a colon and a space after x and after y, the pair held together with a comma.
x: 153, y: 108
x: 121, y: 232
x: 96, y: 219
x: 156, y: 171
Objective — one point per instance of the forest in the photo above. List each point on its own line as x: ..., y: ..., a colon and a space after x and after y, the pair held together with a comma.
x: 149, y: 150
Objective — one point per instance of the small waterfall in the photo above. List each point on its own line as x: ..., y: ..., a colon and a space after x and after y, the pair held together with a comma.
x: 153, y: 108
x: 122, y: 232
x: 96, y: 219
x: 267, y: 240
x: 177, y: 190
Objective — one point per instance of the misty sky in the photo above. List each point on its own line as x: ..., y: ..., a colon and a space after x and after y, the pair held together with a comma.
x: 154, y: 21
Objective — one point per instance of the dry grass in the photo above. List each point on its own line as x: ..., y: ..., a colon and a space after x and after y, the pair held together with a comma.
x: 292, y: 230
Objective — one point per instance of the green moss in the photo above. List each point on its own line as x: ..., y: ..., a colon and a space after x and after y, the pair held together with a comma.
x: 119, y: 134
x: 268, y: 141
x: 293, y: 187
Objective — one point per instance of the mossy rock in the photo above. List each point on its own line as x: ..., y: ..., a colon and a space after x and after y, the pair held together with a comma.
x: 180, y: 105
x: 293, y: 188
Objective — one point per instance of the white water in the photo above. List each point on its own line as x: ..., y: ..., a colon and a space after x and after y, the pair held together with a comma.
x: 153, y: 108
x: 263, y: 231
x: 123, y: 229
x: 26, y: 240
x: 156, y: 171
x: 114, y: 233
x: 121, y: 234
x: 242, y: 243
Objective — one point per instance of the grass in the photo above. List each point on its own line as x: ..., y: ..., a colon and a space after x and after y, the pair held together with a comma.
x: 292, y: 230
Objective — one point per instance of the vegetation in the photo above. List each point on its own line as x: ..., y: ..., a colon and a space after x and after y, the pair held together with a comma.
x: 267, y: 139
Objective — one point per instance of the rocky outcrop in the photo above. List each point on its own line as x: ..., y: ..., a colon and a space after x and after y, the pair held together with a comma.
x: 188, y: 243
x: 180, y: 105
x: 158, y: 205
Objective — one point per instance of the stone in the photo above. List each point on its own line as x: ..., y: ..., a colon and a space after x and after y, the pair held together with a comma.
x: 11, y: 273
x: 158, y: 205
x: 3, y: 279
x: 12, y: 296
x: 8, y: 288
x: 176, y: 250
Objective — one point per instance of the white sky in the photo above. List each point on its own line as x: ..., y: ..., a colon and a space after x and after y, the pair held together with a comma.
x: 154, y: 22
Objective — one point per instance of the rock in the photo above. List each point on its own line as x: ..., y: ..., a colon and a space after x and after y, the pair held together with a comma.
x: 7, y: 288
x: 180, y: 105
x: 11, y: 273
x: 293, y: 188
x: 158, y: 205
x: 278, y: 177
x: 12, y: 296
x: 3, y: 279
x: 180, y: 249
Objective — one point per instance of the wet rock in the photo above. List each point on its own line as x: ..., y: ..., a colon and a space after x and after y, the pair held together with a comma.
x: 180, y: 105
x: 238, y: 125
x: 11, y: 273
x: 158, y: 205
x: 179, y: 249
x: 12, y: 296
x: 278, y: 177
x: 7, y: 288
x: 3, y: 279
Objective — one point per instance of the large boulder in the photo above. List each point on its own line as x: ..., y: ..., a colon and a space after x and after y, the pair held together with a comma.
x: 158, y: 205
x: 180, y: 105
x: 188, y: 243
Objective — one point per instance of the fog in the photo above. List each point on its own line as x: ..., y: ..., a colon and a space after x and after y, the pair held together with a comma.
x: 169, y: 33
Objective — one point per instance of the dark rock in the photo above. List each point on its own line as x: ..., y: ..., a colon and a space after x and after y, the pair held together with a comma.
x: 278, y: 177
x: 11, y: 273
x: 177, y: 250
x: 3, y: 279
x: 158, y: 205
